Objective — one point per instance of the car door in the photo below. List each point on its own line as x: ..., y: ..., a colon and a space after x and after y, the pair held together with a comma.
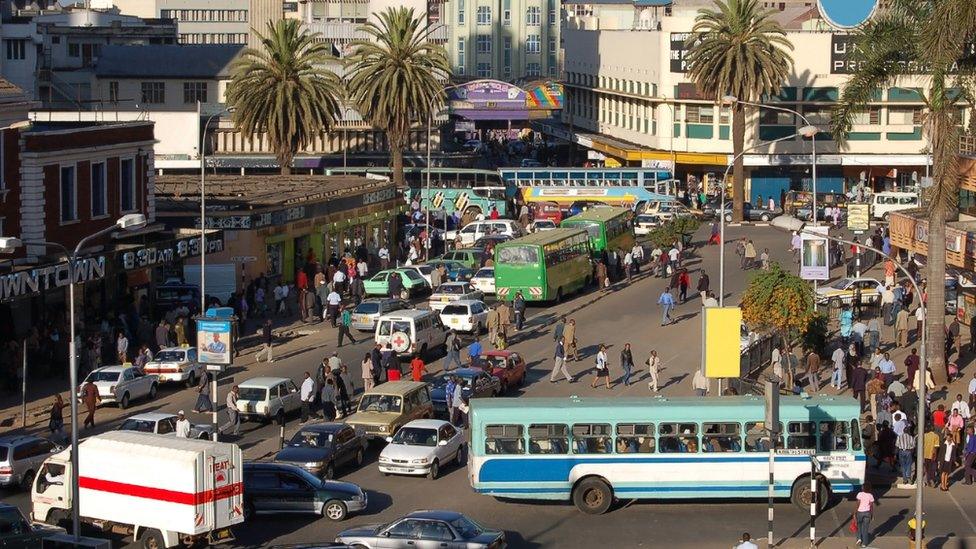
x: 261, y: 490
x: 166, y: 426
x: 401, y: 535
x: 446, y: 452
x: 343, y: 447
x: 436, y: 534
x: 141, y: 383
x: 126, y: 384
x: 297, y: 494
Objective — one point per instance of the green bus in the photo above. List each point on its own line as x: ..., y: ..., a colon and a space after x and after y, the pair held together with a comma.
x: 608, y: 228
x: 544, y: 266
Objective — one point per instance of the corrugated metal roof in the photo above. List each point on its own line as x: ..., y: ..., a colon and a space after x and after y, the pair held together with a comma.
x: 208, y: 61
x: 10, y: 93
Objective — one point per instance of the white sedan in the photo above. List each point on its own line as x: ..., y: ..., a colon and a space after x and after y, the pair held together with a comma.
x: 422, y: 447
x: 484, y: 280
x: 465, y: 315
x: 645, y: 223
x: 453, y: 291
x: 176, y: 365
x: 122, y: 384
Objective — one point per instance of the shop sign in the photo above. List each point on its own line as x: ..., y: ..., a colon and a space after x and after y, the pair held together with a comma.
x: 858, y: 217
x: 34, y: 281
x: 381, y: 195
x: 679, y: 50
x: 228, y: 222
x: 178, y: 249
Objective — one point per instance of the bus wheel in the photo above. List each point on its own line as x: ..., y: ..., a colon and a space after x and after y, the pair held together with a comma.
x: 559, y: 295
x: 592, y: 496
x: 800, y: 494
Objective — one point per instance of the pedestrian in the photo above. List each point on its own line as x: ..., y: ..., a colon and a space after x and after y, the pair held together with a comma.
x: 182, y: 425
x: 858, y: 383
x: 653, y: 368
x: 203, y: 403
x: 961, y: 406
x: 332, y: 303
x: 342, y: 394
x: 700, y: 383
x: 492, y: 324
x: 91, y: 398
x: 417, y: 368
x: 55, y: 422
x: 813, y: 371
x: 122, y: 347
x: 969, y: 456
x: 557, y: 331
x: 474, y: 352
x: 559, y: 363
x: 367, y: 369
x: 947, y: 461
x: 906, y: 454
x: 746, y: 542
x: 233, y: 413
x: 837, y: 358
x: 518, y: 304
x: 504, y: 317
x: 912, y: 363
x: 180, y: 330
x: 627, y: 363
x: 267, y: 342
x: 683, y: 282
x: 162, y: 335
x: 875, y: 389
x: 901, y: 327
x: 764, y: 259
x: 863, y: 514
x: 463, y: 408
x: 602, y: 367
x: 345, y: 322
x: 955, y: 331
x: 391, y: 363
x: 307, y: 395
x: 601, y: 275
x: 930, y: 451
x: 703, y: 285
x: 569, y: 341
x: 748, y: 255
x: 629, y: 266
x: 453, y: 355
x: 328, y: 398
x: 666, y: 301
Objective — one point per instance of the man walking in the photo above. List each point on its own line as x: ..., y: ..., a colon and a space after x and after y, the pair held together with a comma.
x: 345, y: 321
x: 492, y: 325
x: 748, y: 255
x: 703, y: 286
x: 307, y: 395
x: 519, y: 306
x: 813, y: 371
x: 666, y: 301
x: 969, y: 456
x: 901, y: 327
x: 91, y: 398
x: 700, y: 383
x: 333, y: 301
x: 560, y: 364
x: 905, y: 442
x: 267, y: 338
x: 504, y: 319
x: 233, y: 414
x: 569, y: 340
x: 453, y: 346
x: 627, y: 363
x: 653, y: 367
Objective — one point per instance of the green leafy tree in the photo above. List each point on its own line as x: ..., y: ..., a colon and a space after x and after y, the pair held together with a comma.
x: 894, y: 39
x: 396, y: 75
x: 738, y: 49
x: 779, y: 301
x: 284, y: 89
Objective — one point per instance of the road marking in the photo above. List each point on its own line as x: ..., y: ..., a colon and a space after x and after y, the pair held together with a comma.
x: 962, y: 512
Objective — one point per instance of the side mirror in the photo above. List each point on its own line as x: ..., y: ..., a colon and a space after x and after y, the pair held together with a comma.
x: 442, y: 443
x: 389, y: 439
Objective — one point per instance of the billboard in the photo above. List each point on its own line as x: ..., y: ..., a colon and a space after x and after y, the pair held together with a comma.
x: 488, y: 100
x: 722, y: 340
x: 214, y: 341
x: 546, y: 95
x: 858, y: 217
x: 814, y: 263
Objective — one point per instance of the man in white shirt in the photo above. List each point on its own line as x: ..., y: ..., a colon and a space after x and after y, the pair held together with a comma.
x: 962, y: 406
x: 332, y: 302
x: 384, y: 255
x: 899, y: 421
x: 182, y: 425
x: 307, y: 395
x: 673, y: 255
x: 837, y: 379
x: 339, y: 279
x: 746, y: 542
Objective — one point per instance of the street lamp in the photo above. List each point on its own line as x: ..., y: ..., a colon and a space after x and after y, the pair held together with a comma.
x: 345, y: 139
x: 804, y: 131
x: 203, y: 225
x: 129, y: 222
x: 790, y: 223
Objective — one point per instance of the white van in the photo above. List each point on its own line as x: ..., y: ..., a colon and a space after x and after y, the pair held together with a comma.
x: 409, y: 331
x: 477, y: 229
x: 884, y: 203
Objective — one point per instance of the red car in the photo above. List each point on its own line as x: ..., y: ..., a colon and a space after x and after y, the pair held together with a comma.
x: 507, y: 366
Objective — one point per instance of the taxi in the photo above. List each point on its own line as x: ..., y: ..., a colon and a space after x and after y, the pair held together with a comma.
x: 176, y: 365
x: 842, y: 291
x: 453, y: 291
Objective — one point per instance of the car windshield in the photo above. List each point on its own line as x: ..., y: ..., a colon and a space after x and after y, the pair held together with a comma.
x: 518, y: 255
x: 841, y: 284
x: 467, y: 527
x: 425, y: 269
x: 103, y: 376
x: 367, y: 308
x: 169, y: 356
x: 485, y: 273
x: 381, y: 276
x: 141, y: 425
x: 253, y: 393
x: 380, y: 403
x: 453, y: 289
x: 415, y: 436
x: 495, y: 361
x: 311, y: 439
x: 455, y: 310
x: 645, y: 219
x: 390, y: 327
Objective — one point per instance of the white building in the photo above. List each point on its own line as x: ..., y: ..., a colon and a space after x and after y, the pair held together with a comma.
x: 198, y: 21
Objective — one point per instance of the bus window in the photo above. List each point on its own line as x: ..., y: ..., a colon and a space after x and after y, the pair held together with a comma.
x: 678, y: 438
x: 548, y: 438
x: 802, y: 435
x: 855, y: 435
x: 635, y: 438
x: 592, y: 438
x: 518, y: 255
x: 504, y: 439
x: 757, y: 438
x: 834, y: 435
x: 721, y: 437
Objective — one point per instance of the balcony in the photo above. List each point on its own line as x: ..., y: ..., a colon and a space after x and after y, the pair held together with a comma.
x: 338, y: 31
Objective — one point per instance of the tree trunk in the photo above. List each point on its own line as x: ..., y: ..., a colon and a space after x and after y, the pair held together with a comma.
x: 284, y: 161
x: 738, y: 172
x: 396, y: 153
x: 935, y: 306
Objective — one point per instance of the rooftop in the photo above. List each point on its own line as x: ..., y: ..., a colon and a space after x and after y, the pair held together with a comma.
x: 10, y: 93
x: 166, y: 61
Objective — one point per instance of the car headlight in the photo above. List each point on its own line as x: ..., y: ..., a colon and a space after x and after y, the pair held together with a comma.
x: 314, y: 464
x: 421, y: 461
x: 383, y: 428
x: 384, y: 459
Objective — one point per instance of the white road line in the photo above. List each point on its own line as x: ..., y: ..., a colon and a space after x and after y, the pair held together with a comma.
x: 962, y: 512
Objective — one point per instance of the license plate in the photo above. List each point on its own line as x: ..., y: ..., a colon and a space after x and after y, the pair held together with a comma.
x: 455, y: 321
x: 363, y: 319
x: 221, y: 536
x: 445, y: 299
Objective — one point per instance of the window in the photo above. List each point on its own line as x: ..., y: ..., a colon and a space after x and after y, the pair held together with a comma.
x: 699, y: 114
x: 74, y: 49
x: 678, y: 438
x: 818, y: 115
x: 194, y: 91
x: 552, y: 17
x: 153, y: 93
x: 635, y: 438
x: 533, y: 44
x: 507, y: 53
x: 99, y: 190
x: 757, y: 438
x: 548, y: 438
x: 801, y: 435
x: 504, y: 440
x: 834, y: 436
x: 483, y: 43
x: 460, y: 55
x: 460, y: 17
x: 16, y: 50
x: 533, y: 16
x: 721, y: 437
x: 905, y: 116
x: 484, y: 15
x: 592, y: 438
x: 484, y: 70
x: 870, y: 116
x: 127, y: 184
x: 507, y: 17
x: 69, y: 196
x: 769, y: 117
x: 113, y: 91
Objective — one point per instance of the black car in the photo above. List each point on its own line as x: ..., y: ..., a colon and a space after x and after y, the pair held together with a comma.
x: 272, y: 488
x: 18, y: 533
x: 320, y: 448
x: 749, y: 213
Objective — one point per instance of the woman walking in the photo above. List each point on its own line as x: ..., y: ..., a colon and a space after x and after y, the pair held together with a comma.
x: 602, y: 368
x: 627, y: 363
x: 946, y: 460
x: 862, y: 516
x: 56, y: 423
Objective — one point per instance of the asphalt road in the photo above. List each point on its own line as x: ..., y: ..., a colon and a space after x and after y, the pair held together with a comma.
x: 624, y: 314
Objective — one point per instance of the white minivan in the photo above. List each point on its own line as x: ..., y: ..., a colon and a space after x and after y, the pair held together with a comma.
x: 884, y: 203
x: 477, y: 229
x: 410, y: 331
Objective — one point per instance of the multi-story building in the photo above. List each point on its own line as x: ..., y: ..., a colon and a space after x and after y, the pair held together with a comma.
x: 644, y: 108
x: 198, y: 21
x: 510, y: 40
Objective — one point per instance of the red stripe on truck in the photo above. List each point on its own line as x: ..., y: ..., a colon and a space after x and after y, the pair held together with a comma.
x: 159, y: 494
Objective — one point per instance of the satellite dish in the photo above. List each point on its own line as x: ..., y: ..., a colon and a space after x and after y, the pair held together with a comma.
x: 847, y: 14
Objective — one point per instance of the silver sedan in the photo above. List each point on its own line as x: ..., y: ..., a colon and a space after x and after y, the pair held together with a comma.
x: 365, y: 315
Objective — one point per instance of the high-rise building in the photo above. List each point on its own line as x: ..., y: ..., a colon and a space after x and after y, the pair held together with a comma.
x: 198, y: 21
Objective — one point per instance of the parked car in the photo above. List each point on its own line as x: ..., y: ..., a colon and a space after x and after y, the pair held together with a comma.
x: 484, y: 280
x: 163, y: 423
x: 378, y: 284
x: 422, y: 447
x: 384, y: 409
x: 508, y: 366
x: 883, y: 203
x: 841, y: 291
x: 465, y: 315
x: 453, y: 291
x: 752, y: 214
x: 321, y: 448
x: 16, y: 532
x: 439, y: 528
x: 365, y: 315
x: 176, y: 365
x: 122, y: 384
x: 272, y: 488
x: 475, y: 383
x: 423, y: 270
x: 267, y: 398
x: 21, y: 456
x: 469, y: 257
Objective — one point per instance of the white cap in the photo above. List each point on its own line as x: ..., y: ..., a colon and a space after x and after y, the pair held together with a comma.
x: 180, y: 413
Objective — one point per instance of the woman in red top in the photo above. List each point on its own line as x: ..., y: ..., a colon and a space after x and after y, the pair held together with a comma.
x: 417, y: 368
x: 683, y: 282
x: 939, y: 417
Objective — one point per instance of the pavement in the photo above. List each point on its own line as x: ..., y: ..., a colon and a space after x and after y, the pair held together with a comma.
x: 626, y: 313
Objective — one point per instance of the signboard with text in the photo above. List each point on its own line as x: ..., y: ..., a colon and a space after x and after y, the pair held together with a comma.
x: 858, y: 217
x: 215, y: 342
x: 813, y: 254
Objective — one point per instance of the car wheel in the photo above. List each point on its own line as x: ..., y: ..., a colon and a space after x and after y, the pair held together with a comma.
x: 124, y: 403
x: 153, y: 539
x: 334, y: 510
x: 434, y: 470
x: 191, y: 380
x: 152, y: 391
x: 27, y: 480
x: 728, y: 218
x: 886, y: 217
x: 329, y: 471
x: 459, y: 458
x: 764, y: 217
x: 359, y: 457
x: 280, y: 416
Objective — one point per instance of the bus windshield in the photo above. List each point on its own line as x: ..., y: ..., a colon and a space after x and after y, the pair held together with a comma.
x: 518, y: 255
x: 592, y: 227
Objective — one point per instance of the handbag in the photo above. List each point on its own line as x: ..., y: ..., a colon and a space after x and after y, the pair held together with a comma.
x: 853, y: 525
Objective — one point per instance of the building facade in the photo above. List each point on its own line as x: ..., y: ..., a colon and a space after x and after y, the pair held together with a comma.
x: 197, y: 21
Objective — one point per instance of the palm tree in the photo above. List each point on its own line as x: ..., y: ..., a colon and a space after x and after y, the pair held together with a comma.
x: 738, y: 49
x: 395, y: 75
x: 285, y: 90
x: 884, y: 45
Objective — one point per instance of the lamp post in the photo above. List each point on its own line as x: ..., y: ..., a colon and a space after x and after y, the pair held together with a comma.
x: 203, y: 202
x: 345, y: 139
x: 805, y: 130
x: 790, y: 223
x: 129, y: 222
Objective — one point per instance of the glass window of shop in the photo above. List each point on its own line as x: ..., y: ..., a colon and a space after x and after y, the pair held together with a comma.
x: 275, y: 251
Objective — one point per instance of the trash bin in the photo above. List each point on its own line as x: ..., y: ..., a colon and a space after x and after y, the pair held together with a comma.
x: 911, y: 529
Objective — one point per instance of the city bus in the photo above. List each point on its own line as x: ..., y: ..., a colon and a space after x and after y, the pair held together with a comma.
x: 545, y: 265
x: 592, y: 451
x: 608, y: 229
x: 629, y: 197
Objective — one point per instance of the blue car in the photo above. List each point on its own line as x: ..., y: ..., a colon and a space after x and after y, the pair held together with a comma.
x: 456, y: 271
x: 475, y: 383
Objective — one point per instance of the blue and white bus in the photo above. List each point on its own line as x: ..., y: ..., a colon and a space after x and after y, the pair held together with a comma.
x: 592, y: 451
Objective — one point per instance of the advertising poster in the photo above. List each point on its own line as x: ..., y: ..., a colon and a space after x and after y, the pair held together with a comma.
x: 214, y: 340
x: 722, y: 352
x: 858, y: 217
x: 814, y: 263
